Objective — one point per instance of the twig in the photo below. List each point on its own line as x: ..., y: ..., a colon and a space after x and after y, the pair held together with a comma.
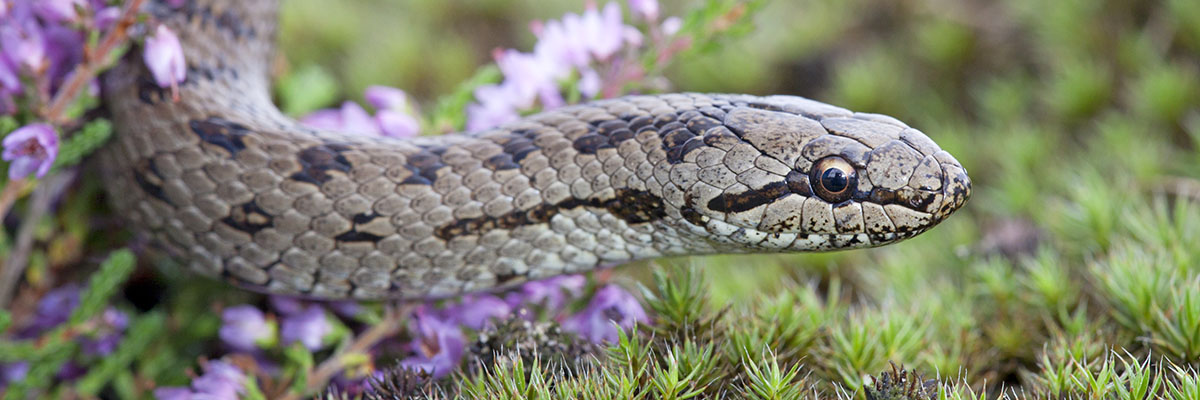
x: 319, y: 378
x: 10, y: 193
x: 39, y: 205
x: 86, y: 70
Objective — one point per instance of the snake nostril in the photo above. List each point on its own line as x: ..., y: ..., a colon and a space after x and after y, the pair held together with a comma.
x: 956, y: 187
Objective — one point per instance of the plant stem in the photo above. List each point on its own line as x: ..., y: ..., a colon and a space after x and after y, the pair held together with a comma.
x: 10, y: 193
x: 96, y: 59
x: 319, y: 378
x: 39, y: 206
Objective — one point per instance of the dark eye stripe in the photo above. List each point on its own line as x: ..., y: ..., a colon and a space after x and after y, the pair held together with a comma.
x: 738, y: 202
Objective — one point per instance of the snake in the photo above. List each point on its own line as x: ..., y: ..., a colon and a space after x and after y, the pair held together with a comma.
x: 223, y: 181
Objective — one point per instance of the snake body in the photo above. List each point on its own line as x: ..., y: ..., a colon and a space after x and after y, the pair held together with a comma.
x: 222, y: 179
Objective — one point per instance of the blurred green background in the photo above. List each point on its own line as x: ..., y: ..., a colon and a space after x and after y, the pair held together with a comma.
x: 1078, y: 121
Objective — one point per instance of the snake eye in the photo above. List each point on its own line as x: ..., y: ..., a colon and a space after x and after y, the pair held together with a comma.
x: 833, y: 179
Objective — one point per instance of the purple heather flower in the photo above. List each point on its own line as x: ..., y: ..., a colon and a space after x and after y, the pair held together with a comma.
x: 106, y: 16
x: 222, y: 380
x: 308, y: 327
x: 9, y: 82
x: 610, y: 304
x: 58, y: 11
x: 438, y: 344
x: 345, y: 308
x: 55, y: 307
x: 647, y: 9
x: 31, y: 148
x: 173, y: 393
x: 476, y: 311
x: 553, y: 292
x: 243, y: 327
x: 113, y: 324
x: 22, y: 43
x: 164, y: 57
x: 64, y: 50
x: 386, y: 98
x: 286, y: 305
x: 13, y: 372
x: 350, y: 118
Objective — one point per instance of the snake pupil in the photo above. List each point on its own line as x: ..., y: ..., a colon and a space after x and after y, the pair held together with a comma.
x: 834, y: 180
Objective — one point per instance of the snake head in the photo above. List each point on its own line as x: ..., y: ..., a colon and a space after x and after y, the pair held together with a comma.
x: 798, y: 175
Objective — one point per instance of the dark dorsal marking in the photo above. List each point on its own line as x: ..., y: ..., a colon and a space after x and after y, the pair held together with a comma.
x: 147, y: 177
x: 518, y: 147
x: 248, y: 218
x: 610, y: 133
x: 509, y: 277
x: 363, y: 218
x: 149, y: 92
x: 424, y: 166
x: 591, y: 143
x: 319, y: 160
x: 356, y: 236
x: 632, y: 206
x: 738, y: 202
x: 221, y: 132
x: 688, y: 132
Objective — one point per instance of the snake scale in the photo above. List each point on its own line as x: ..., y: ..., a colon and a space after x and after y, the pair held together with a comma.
x: 222, y: 179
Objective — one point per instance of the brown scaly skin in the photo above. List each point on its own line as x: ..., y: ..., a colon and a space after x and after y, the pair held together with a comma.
x: 223, y: 180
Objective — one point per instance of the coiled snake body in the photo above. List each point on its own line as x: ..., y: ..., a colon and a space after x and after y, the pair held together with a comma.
x: 223, y: 180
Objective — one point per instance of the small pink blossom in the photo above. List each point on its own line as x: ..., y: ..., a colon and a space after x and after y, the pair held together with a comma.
x: 671, y: 26
x: 647, y: 9
x: 164, y: 58
x: 397, y: 124
x: 386, y: 98
x: 391, y: 115
x: 589, y: 83
x: 601, y: 30
x: 350, y: 118
x: 492, y: 109
x: 30, y: 149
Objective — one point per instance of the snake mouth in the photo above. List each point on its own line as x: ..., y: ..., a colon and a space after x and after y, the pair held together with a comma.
x: 956, y: 189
